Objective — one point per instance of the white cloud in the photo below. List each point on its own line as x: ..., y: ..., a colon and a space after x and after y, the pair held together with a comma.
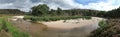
x: 109, y: 5
x: 101, y: 5
x: 5, y: 5
x: 25, y: 5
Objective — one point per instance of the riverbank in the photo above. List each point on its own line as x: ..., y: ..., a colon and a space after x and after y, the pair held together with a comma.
x: 73, y: 23
x: 62, y: 28
x: 70, y: 28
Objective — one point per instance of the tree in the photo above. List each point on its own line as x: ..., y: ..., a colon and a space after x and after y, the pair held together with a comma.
x: 59, y: 11
x: 101, y: 14
x: 40, y: 10
x: 53, y: 12
x: 114, y: 13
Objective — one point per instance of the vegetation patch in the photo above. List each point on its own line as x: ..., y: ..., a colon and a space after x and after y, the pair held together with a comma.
x: 102, y: 24
x: 54, y: 18
x: 8, y: 27
x: 111, y: 29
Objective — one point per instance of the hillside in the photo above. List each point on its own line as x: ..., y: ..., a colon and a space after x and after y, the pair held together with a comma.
x: 110, y: 27
x: 11, y: 11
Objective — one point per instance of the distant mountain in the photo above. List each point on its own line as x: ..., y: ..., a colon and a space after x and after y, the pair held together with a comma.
x: 11, y: 11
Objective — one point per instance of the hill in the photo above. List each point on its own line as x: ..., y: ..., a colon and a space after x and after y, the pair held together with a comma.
x: 11, y: 11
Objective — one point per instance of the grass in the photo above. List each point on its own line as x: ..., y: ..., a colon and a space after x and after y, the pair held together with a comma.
x: 54, y: 18
x: 102, y: 24
x: 0, y: 24
x: 8, y: 27
x: 108, y: 28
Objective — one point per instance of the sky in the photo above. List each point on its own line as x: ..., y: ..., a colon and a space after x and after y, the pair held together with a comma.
x: 25, y: 5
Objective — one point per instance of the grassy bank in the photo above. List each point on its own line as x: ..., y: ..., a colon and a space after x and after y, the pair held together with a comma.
x: 110, y: 29
x: 8, y: 27
x: 102, y: 24
x: 54, y: 18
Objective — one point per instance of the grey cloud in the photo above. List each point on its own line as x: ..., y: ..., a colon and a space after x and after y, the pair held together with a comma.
x: 25, y: 5
x: 16, y: 4
x: 6, y: 1
x: 57, y: 3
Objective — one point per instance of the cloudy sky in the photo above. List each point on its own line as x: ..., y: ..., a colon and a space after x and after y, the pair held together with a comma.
x: 25, y: 5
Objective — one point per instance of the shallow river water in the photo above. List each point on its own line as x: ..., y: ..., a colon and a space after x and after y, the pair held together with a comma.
x: 70, y: 28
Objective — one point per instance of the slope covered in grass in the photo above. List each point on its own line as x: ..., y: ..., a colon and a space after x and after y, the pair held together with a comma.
x: 9, y: 28
x: 111, y: 29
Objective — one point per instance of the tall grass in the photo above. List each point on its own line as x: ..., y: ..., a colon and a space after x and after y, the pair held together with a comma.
x: 102, y: 24
x: 54, y: 18
x: 8, y: 27
x: 0, y: 24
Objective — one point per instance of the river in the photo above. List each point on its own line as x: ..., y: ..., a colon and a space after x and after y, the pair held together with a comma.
x: 62, y: 28
x: 70, y: 28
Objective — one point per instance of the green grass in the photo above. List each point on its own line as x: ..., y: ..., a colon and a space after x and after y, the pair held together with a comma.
x: 0, y: 24
x: 8, y: 27
x: 108, y: 28
x: 102, y: 24
x: 54, y: 18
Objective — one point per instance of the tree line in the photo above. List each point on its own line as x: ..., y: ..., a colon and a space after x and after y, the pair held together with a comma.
x: 44, y: 10
x: 115, y: 13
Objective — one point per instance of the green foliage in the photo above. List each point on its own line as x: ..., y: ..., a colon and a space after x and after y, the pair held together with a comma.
x: 8, y: 27
x: 112, y: 29
x: 101, y: 14
x: 4, y: 26
x: 54, y: 18
x: 102, y: 24
x: 0, y: 24
x: 40, y: 10
x: 114, y: 13
x: 59, y: 11
x: 53, y: 12
x: 14, y: 31
x: 102, y: 27
x: 43, y: 10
